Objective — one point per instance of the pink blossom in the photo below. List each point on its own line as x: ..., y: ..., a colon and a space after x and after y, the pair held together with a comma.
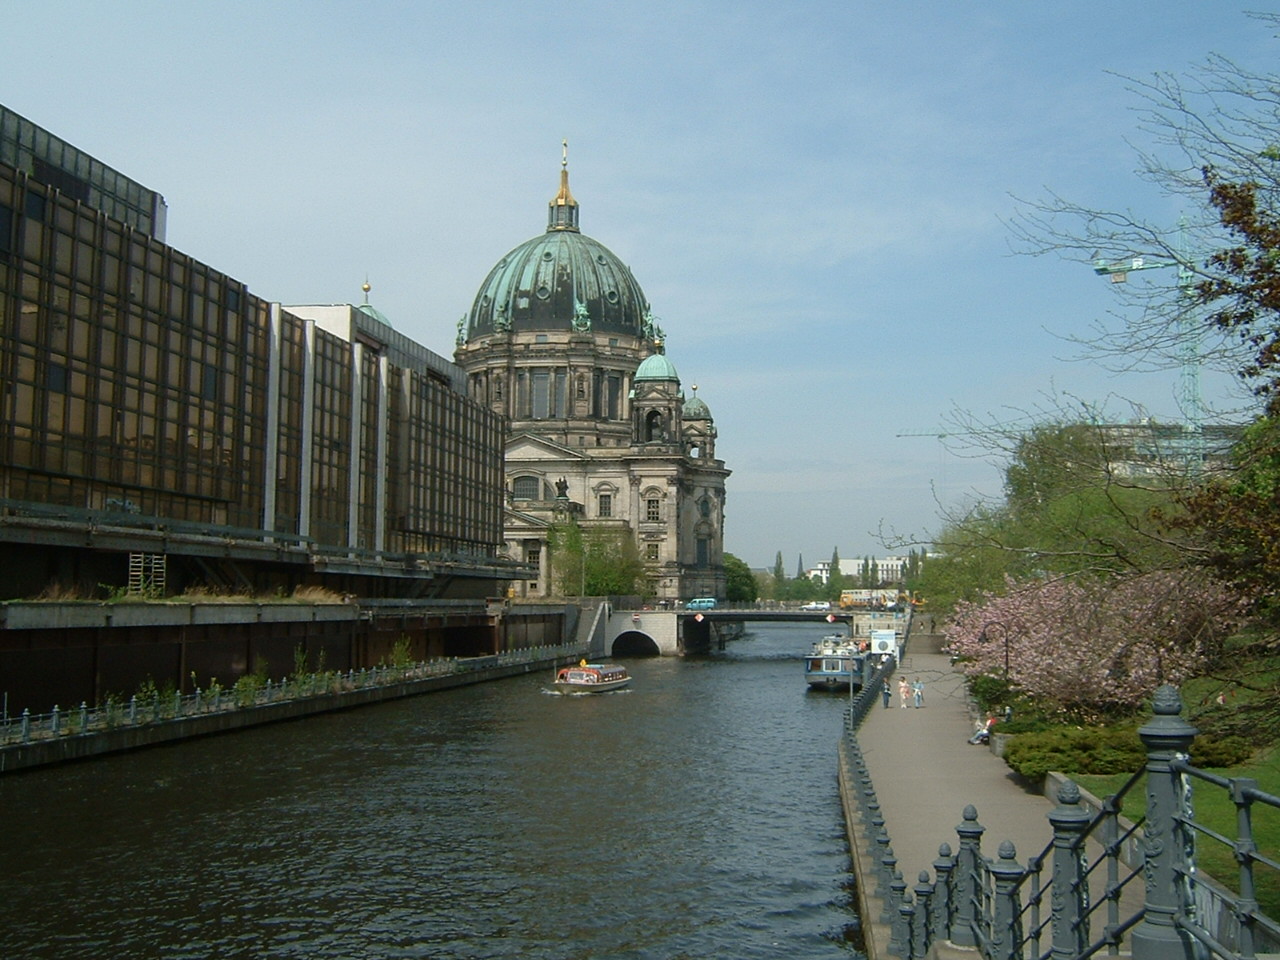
x: 1099, y: 645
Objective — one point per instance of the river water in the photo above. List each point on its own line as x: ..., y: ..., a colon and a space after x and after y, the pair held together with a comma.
x: 692, y: 815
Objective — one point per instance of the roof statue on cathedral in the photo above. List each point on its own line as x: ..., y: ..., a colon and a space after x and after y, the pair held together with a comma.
x: 652, y: 332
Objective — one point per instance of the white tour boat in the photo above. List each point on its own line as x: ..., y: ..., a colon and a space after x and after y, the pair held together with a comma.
x: 591, y: 678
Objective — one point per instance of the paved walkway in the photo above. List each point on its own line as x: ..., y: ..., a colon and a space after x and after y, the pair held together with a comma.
x: 925, y: 772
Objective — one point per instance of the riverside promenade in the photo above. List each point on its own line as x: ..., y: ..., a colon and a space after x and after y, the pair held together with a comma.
x: 925, y: 773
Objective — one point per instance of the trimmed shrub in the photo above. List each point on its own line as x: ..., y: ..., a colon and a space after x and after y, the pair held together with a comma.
x: 1219, y: 751
x: 1105, y: 750
x: 1075, y: 750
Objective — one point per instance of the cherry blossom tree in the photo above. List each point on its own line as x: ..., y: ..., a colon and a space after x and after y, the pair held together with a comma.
x: 1095, y: 647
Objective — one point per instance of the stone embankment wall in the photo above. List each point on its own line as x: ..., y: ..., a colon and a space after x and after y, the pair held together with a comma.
x: 79, y: 746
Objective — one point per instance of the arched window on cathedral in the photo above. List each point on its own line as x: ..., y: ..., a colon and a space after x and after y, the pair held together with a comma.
x: 526, y: 488
x: 653, y: 427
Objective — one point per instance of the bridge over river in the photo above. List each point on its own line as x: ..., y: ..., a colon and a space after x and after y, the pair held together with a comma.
x: 677, y: 632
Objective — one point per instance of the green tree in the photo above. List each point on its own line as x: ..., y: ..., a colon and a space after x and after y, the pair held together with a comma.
x: 835, y: 580
x: 1237, y: 512
x: 613, y: 563
x: 1244, y: 290
x: 565, y: 546
x: 779, y: 574
x: 740, y: 583
x: 1073, y: 505
x: 595, y: 563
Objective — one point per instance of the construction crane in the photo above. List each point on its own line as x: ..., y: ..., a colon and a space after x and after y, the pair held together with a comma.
x: 1190, y: 399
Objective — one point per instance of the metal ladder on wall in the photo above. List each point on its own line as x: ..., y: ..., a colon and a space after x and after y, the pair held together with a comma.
x: 147, y: 574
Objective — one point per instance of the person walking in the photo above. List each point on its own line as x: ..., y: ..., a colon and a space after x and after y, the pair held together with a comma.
x: 886, y: 693
x: 917, y: 692
x: 904, y: 691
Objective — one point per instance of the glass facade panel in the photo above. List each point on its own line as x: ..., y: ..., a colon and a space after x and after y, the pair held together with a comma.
x: 138, y: 375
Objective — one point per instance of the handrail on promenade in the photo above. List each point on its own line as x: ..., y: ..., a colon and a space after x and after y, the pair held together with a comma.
x: 159, y: 707
x: 1007, y: 910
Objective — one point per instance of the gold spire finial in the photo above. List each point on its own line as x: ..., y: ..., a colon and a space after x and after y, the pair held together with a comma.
x: 366, y: 287
x: 564, y: 209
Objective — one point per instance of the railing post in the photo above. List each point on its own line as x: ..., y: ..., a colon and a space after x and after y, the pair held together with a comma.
x: 1111, y: 843
x: 1006, y: 928
x: 1069, y: 895
x: 26, y: 724
x: 922, y: 921
x: 1245, y: 849
x: 1167, y: 844
x: 888, y: 863
x: 968, y: 863
x: 84, y: 717
x: 943, y: 903
x: 899, y: 921
x: 133, y: 710
x: 881, y: 841
x: 54, y: 720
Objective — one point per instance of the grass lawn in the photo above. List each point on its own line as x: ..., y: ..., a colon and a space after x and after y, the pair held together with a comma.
x: 1214, y: 809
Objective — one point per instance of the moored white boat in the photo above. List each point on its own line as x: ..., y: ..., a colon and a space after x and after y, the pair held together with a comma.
x: 834, y: 663
x: 591, y: 678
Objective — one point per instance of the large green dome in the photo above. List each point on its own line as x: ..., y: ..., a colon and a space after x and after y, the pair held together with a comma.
x: 562, y: 280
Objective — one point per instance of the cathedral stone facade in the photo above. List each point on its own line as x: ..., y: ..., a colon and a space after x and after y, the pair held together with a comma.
x: 562, y: 342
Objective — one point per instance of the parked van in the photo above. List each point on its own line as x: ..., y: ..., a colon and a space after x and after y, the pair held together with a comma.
x: 701, y: 603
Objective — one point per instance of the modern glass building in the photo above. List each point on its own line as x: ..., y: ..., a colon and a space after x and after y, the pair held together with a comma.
x: 243, y: 442
x: 56, y: 163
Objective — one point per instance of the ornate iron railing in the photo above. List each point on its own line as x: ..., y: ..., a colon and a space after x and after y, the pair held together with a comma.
x: 1045, y: 909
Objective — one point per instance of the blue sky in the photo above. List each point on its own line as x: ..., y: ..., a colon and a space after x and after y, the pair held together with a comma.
x: 812, y: 195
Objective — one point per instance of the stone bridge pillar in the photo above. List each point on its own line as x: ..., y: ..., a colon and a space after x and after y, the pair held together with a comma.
x: 631, y: 628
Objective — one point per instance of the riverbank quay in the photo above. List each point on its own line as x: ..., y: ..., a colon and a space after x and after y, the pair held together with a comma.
x: 28, y: 742
x: 1070, y: 874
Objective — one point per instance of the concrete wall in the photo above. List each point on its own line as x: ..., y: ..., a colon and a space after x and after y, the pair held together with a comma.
x: 55, y: 653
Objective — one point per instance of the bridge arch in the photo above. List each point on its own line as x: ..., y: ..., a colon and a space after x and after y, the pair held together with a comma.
x: 634, y: 643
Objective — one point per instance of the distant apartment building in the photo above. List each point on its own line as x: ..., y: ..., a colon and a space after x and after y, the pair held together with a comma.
x: 887, y: 570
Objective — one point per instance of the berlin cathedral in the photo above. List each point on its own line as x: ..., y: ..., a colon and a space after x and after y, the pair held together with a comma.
x: 562, y: 342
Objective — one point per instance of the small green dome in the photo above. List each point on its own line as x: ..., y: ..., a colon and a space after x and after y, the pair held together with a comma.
x: 656, y: 366
x: 373, y: 313
x: 695, y: 409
